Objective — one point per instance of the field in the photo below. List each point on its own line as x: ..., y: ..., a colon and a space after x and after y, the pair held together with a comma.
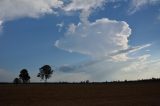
x: 109, y: 94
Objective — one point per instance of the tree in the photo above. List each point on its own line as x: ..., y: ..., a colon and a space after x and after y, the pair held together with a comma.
x: 16, y: 81
x: 24, y: 76
x: 45, y: 72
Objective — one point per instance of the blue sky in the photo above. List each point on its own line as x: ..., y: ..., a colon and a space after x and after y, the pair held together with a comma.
x: 95, y: 40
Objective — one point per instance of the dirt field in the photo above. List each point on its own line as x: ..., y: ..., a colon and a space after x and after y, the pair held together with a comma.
x: 112, y: 94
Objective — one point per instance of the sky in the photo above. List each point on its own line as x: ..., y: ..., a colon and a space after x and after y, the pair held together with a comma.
x: 96, y: 40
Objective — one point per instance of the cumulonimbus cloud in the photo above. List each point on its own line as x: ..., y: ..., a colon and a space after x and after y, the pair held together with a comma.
x: 104, y: 39
x: 101, y: 38
x: 97, y: 39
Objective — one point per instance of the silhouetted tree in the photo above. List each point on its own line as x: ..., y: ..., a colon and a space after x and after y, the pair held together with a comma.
x: 87, y: 81
x: 24, y: 76
x: 16, y: 81
x: 45, y: 72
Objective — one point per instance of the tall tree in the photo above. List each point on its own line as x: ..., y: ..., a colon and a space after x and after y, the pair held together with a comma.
x: 24, y: 76
x: 45, y: 72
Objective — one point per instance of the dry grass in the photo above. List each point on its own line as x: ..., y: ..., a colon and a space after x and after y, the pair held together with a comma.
x: 113, y: 94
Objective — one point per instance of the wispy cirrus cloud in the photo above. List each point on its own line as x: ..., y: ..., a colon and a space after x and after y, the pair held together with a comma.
x: 122, y: 55
x: 137, y: 5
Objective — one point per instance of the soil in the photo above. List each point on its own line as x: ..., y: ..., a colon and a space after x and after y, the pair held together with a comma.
x: 106, y: 94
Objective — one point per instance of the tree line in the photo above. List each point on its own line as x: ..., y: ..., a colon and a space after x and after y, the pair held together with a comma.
x: 45, y: 72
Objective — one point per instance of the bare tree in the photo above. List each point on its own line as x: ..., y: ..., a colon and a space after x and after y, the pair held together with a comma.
x: 24, y: 76
x: 45, y: 72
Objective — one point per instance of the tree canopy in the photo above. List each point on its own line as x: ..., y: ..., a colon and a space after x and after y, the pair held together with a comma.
x: 24, y: 76
x: 45, y: 72
x: 16, y: 81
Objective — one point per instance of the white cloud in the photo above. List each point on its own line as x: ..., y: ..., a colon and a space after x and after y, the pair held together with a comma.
x: 99, y: 38
x: 96, y: 39
x: 86, y: 7
x: 72, y: 28
x: 103, y: 39
x: 137, y: 5
x: 137, y: 48
x: 83, y: 5
x: 120, y: 57
x: 117, y: 6
x: 13, y: 9
x: 131, y: 49
x: 60, y: 25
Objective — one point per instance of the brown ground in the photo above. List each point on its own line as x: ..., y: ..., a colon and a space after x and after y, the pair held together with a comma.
x: 113, y: 94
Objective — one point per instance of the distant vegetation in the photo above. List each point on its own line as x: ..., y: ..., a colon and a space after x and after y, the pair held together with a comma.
x: 23, y: 77
x: 45, y: 72
x: 17, y: 81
